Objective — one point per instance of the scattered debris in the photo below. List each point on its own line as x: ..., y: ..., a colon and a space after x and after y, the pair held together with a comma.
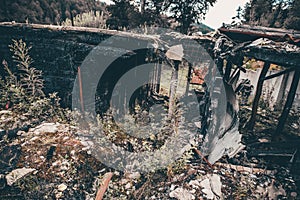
x: 133, y: 175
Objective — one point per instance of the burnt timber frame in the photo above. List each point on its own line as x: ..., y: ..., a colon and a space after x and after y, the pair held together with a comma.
x: 236, y: 44
x: 274, y: 52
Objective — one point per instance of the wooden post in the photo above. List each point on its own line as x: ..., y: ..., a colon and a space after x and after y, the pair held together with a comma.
x: 289, y: 102
x: 80, y: 89
x: 154, y: 79
x: 143, y: 2
x: 158, y: 76
x: 258, y: 92
x: 173, y: 88
x: 188, y: 78
x: 228, y: 70
x: 220, y: 65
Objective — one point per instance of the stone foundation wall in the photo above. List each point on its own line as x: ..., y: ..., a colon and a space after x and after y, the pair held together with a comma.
x: 57, y: 51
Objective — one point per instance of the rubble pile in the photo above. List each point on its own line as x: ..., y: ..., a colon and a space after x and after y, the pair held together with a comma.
x: 49, y: 161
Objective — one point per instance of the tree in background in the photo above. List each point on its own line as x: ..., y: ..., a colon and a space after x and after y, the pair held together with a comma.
x: 273, y: 13
x: 134, y: 13
x: 123, y: 14
x: 156, y: 12
x: 152, y: 12
x: 187, y: 12
x: 293, y: 19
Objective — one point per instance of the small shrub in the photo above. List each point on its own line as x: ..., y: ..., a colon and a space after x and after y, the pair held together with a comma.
x: 89, y: 19
x: 23, y: 92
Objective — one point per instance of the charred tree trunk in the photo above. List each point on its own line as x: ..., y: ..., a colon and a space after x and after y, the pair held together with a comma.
x: 257, y: 95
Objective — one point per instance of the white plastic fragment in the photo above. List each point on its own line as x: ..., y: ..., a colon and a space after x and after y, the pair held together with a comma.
x: 216, y: 185
x: 207, y: 189
x: 62, y: 187
x: 17, y: 174
x: 195, y: 183
x: 175, y: 52
x: 212, y: 186
x: 181, y: 194
x: 46, y: 128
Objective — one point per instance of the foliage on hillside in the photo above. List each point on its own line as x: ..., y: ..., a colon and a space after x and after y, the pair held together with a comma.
x: 272, y: 13
x: 45, y: 11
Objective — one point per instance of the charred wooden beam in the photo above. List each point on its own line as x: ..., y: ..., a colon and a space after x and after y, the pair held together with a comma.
x: 188, y: 78
x: 259, y: 88
x: 236, y: 74
x: 158, y: 77
x: 273, y: 56
x: 228, y: 69
x: 279, y: 73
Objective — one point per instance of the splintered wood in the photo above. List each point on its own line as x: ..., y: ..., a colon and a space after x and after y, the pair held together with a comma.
x: 104, y: 185
x: 241, y: 169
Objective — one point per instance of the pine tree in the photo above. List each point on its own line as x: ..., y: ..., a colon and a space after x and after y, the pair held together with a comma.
x: 273, y: 13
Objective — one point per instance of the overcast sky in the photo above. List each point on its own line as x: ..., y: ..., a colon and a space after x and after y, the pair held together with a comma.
x: 222, y: 11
